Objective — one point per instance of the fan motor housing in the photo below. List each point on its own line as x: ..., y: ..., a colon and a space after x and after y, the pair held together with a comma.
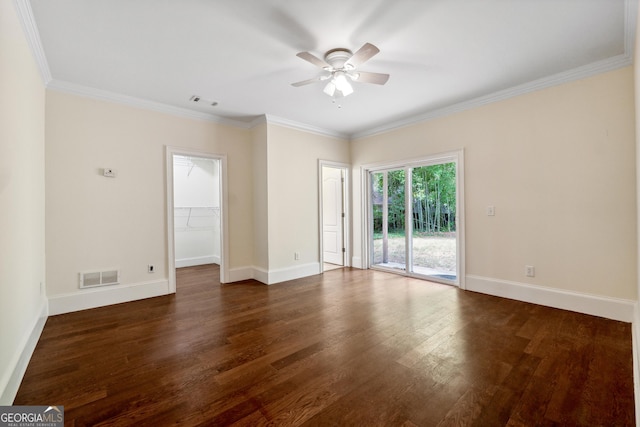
x: 337, y: 57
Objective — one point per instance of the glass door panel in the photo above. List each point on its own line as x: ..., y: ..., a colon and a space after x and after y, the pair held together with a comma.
x: 388, y: 217
x: 434, y: 233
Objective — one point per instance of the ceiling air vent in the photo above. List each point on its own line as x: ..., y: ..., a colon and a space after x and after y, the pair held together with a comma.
x: 90, y: 279
x: 200, y: 100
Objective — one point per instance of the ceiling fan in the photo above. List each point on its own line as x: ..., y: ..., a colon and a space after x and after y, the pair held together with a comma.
x: 341, y: 64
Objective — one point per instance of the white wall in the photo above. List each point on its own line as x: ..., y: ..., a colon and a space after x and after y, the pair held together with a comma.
x: 23, y: 307
x: 260, y: 196
x: 559, y: 166
x: 196, y: 189
x: 293, y: 199
x: 286, y: 199
x: 93, y: 222
x: 636, y: 318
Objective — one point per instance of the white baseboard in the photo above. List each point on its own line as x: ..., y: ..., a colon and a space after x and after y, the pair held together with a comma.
x: 201, y: 260
x: 12, y: 377
x: 269, y: 277
x: 84, y: 299
x: 596, y: 305
x: 295, y: 272
x: 356, y: 262
x: 239, y: 274
x: 261, y: 275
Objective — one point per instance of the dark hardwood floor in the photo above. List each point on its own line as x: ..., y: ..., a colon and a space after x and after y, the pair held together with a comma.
x: 349, y: 347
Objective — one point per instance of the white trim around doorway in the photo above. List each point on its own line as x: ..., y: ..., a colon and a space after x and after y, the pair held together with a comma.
x: 224, y: 226
x: 347, y: 211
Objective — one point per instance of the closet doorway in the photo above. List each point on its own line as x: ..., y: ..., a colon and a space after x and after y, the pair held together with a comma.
x: 195, y: 211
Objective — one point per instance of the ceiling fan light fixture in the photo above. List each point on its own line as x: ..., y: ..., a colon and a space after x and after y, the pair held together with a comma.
x: 340, y: 63
x: 339, y: 84
x: 345, y: 88
x: 340, y: 80
x: 347, y: 91
x: 330, y: 88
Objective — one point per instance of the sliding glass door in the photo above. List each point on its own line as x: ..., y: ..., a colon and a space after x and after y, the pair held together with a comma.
x: 414, y: 219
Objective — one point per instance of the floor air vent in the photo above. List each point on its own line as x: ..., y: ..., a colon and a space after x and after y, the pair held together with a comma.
x: 99, y: 278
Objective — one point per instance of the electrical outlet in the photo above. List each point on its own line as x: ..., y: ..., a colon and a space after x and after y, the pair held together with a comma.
x: 296, y: 256
x: 529, y: 271
x: 491, y: 210
x: 151, y: 268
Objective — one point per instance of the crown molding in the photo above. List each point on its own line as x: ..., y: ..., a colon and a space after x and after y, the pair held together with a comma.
x: 589, y: 70
x: 275, y: 120
x: 598, y: 67
x: 261, y: 119
x: 25, y: 14
x: 131, y: 101
x: 28, y: 23
x: 104, y: 95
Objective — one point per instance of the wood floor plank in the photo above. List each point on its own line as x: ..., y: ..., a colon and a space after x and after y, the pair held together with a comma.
x: 348, y: 347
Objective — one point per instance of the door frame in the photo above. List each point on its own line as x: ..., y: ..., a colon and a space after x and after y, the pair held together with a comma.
x: 171, y: 151
x: 456, y: 156
x: 346, y: 221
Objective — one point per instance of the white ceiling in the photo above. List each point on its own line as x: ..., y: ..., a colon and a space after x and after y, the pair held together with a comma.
x: 242, y: 53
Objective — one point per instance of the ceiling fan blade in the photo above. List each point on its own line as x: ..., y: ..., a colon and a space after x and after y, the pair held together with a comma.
x: 308, y: 82
x: 363, y: 54
x: 313, y: 59
x: 375, y: 78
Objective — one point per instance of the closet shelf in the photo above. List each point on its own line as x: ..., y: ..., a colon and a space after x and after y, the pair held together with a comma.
x: 205, y: 216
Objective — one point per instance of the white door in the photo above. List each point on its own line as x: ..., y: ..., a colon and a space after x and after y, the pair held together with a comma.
x: 332, y: 215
